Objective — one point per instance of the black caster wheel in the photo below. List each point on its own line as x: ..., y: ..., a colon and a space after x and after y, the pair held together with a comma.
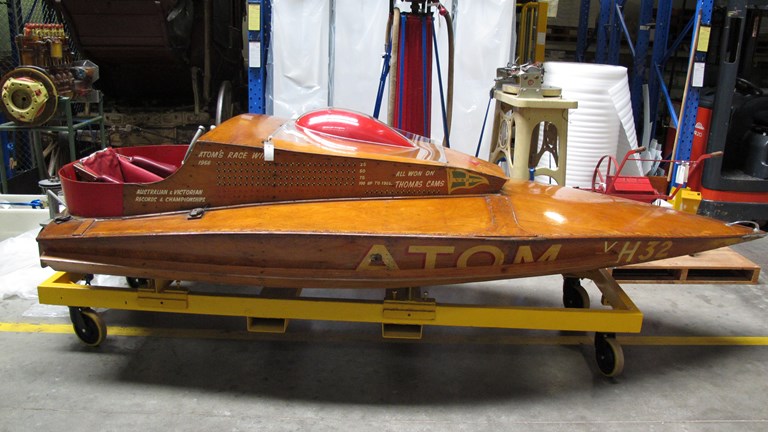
x: 608, y: 354
x: 574, y: 295
x: 88, y: 325
x: 135, y: 282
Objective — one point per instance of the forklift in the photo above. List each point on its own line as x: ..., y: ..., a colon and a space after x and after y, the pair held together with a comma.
x: 733, y: 118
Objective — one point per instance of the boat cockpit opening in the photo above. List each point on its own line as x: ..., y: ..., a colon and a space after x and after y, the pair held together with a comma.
x: 108, y: 166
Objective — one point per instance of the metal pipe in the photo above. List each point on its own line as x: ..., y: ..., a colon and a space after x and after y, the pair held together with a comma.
x: 386, y: 58
x: 200, y: 131
x: 393, y: 66
x: 195, y: 89
x: 667, y: 98
x: 446, y: 140
x: 691, y: 61
x: 207, y: 51
x: 451, y: 63
x: 620, y: 15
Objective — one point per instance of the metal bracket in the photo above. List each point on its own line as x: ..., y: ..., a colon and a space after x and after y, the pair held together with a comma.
x: 158, y: 295
x: 409, y: 310
x: 196, y: 213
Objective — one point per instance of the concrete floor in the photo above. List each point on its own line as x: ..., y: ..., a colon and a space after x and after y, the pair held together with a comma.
x: 208, y: 374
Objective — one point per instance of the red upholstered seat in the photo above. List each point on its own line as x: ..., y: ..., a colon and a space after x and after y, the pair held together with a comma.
x: 136, y: 174
x: 151, y: 165
x: 95, y: 186
x: 106, y: 165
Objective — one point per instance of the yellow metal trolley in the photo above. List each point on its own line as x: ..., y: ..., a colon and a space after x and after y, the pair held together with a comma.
x: 402, y: 313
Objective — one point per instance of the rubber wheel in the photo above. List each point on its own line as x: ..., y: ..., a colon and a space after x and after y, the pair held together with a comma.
x: 608, y: 355
x: 606, y: 167
x: 574, y: 295
x: 93, y: 330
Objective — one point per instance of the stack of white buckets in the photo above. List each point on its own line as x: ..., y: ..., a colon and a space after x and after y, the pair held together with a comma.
x: 602, y: 124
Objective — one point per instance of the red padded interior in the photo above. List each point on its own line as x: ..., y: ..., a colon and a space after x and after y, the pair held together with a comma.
x: 92, y: 193
x: 136, y: 174
x: 108, y: 165
x: 153, y: 166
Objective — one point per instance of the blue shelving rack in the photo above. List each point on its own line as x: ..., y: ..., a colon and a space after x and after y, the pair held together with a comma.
x: 259, y: 32
x: 687, y: 123
x: 611, y: 30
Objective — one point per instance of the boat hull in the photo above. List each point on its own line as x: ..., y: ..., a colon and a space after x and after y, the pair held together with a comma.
x: 527, y: 230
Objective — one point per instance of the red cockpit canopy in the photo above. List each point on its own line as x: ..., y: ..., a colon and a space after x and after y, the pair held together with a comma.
x: 351, y: 125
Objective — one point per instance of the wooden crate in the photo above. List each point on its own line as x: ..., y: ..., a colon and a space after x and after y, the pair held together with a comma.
x: 719, y: 266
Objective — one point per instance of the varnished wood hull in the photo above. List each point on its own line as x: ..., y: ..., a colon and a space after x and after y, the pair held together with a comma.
x: 527, y: 230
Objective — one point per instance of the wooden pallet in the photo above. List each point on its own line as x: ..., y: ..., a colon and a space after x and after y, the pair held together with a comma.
x: 719, y: 266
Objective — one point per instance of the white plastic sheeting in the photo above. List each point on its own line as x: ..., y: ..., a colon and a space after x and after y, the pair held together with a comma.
x: 16, y: 219
x: 20, y: 271
x: 300, y: 30
x: 359, y: 47
x: 301, y: 38
x: 20, y: 274
x: 484, y: 30
x: 603, y: 122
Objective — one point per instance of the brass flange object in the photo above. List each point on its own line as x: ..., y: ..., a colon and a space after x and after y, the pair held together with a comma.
x: 28, y: 96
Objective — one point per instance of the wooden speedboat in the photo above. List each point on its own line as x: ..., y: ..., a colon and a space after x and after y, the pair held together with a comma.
x: 326, y: 154
x: 337, y: 199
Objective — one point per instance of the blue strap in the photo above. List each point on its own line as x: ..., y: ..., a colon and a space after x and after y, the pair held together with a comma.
x: 34, y: 204
x: 446, y: 132
x: 485, y: 119
x: 383, y: 79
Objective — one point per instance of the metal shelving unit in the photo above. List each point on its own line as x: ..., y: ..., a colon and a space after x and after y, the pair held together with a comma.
x: 70, y: 125
x: 612, y: 30
x: 259, y: 30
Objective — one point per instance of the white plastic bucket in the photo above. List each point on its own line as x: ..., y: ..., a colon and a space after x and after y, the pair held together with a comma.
x: 603, y: 123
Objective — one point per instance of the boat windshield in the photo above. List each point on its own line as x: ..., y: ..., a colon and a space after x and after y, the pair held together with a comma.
x: 346, y: 132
